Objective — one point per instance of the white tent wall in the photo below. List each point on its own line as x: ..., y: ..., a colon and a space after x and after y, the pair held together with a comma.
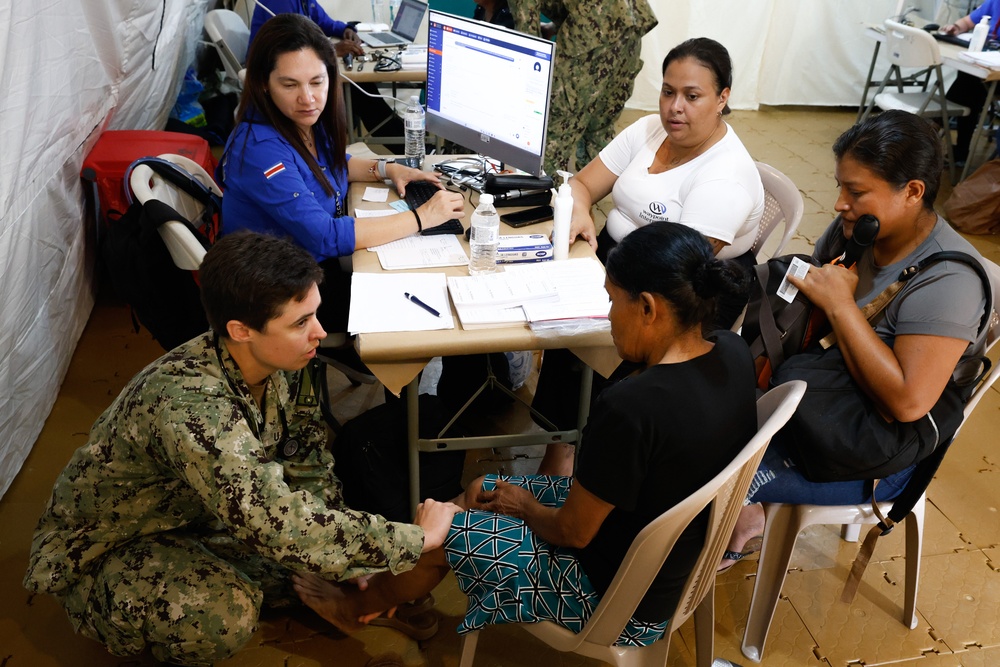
x: 810, y: 52
x: 69, y: 69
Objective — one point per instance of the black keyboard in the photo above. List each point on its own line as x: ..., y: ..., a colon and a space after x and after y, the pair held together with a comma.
x: 950, y: 39
x: 417, y: 194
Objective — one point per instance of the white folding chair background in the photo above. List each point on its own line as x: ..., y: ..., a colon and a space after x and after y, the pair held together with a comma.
x: 782, y: 203
x: 244, y: 9
x: 783, y: 523
x: 230, y: 36
x: 649, y: 550
x: 911, y: 47
x: 186, y: 251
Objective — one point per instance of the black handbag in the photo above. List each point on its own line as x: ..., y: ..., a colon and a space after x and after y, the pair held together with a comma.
x: 837, y: 434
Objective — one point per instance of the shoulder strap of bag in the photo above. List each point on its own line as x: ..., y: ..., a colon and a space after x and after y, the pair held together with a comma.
x: 925, y: 470
x: 181, y: 178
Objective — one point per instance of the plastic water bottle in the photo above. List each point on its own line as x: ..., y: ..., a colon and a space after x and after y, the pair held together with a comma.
x: 379, y: 12
x: 562, y: 215
x: 413, y: 121
x: 979, y: 34
x: 485, y: 237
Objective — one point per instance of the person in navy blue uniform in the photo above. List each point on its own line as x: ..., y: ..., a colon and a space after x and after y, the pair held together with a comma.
x: 285, y: 170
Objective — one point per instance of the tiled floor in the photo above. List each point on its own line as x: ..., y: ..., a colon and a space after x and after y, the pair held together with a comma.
x: 958, y: 604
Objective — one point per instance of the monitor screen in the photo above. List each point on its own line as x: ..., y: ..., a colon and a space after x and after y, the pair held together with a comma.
x: 488, y: 89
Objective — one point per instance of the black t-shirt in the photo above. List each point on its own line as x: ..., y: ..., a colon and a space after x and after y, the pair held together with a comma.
x: 651, y: 441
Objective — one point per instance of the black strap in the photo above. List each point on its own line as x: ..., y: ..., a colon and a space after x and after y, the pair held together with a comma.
x: 182, y: 179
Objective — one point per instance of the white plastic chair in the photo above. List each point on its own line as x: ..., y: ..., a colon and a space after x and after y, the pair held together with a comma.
x: 783, y: 523
x: 244, y: 9
x: 230, y: 36
x: 782, y: 203
x: 186, y: 251
x: 911, y: 47
x: 650, y: 548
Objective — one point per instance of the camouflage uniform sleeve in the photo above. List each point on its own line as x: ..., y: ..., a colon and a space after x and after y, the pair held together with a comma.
x: 213, y: 449
x: 526, y: 15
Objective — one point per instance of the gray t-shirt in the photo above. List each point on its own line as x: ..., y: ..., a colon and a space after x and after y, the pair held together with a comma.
x: 945, y: 299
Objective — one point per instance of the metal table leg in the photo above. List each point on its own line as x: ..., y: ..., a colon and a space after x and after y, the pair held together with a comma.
x: 979, y: 128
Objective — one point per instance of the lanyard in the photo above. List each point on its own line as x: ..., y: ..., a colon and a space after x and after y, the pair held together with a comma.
x: 288, y: 446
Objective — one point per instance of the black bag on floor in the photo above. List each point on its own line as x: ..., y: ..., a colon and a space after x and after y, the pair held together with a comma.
x: 371, y: 460
x: 164, y: 298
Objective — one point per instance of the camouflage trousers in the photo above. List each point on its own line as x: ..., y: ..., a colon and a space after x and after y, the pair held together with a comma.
x: 192, y: 601
x: 588, y: 94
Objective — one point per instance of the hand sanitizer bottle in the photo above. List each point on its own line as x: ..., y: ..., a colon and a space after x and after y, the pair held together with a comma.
x: 979, y: 34
x: 562, y: 216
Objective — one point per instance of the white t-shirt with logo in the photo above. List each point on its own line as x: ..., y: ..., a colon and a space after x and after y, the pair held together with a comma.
x: 719, y: 193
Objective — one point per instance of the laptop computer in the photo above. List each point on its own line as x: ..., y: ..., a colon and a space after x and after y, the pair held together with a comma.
x: 404, y: 28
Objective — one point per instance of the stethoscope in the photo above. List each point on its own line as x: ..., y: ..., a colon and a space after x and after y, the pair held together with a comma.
x: 286, y: 444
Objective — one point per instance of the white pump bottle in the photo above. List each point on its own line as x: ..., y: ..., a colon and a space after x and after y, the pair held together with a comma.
x: 562, y: 214
x: 979, y: 34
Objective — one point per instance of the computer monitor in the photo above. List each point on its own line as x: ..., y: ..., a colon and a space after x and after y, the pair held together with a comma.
x: 488, y: 89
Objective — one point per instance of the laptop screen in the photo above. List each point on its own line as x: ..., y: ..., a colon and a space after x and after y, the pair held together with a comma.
x: 408, y: 19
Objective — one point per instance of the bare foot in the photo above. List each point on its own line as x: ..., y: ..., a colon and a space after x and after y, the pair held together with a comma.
x: 328, y: 600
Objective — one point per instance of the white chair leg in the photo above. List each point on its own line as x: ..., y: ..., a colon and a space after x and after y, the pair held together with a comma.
x: 469, y: 642
x: 914, y: 550
x: 782, y: 525
x: 850, y: 532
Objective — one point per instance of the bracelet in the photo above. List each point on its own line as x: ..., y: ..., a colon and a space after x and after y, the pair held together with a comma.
x: 378, y: 170
x: 420, y: 226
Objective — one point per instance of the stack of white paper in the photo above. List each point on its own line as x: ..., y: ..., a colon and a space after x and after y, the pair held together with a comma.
x: 419, y: 252
x: 989, y: 59
x: 572, y: 289
x: 580, y: 283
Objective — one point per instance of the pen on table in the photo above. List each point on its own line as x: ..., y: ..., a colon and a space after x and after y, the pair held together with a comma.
x: 421, y: 304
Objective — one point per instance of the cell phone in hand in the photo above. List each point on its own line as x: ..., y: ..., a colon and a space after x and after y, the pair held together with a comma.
x: 528, y: 216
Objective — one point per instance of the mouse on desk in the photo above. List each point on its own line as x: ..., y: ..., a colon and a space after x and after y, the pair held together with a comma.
x: 931, y: 27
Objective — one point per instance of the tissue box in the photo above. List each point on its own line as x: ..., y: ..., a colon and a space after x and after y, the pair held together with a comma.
x: 520, y: 248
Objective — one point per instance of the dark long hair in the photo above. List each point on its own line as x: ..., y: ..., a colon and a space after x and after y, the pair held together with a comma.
x: 287, y: 33
x: 709, y: 53
x: 898, y: 147
x: 676, y: 262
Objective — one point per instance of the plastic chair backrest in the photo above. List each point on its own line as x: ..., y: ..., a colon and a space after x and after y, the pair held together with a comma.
x: 910, y: 47
x: 185, y: 249
x: 782, y: 202
x: 725, y: 493
x: 230, y: 35
x: 992, y: 337
x: 245, y: 9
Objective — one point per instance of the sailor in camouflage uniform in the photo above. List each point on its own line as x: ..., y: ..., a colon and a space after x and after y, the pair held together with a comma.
x: 208, y: 481
x: 597, y: 60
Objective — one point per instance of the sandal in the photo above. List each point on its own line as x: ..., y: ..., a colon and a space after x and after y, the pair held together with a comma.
x: 414, y: 619
x: 751, y: 546
x: 386, y: 660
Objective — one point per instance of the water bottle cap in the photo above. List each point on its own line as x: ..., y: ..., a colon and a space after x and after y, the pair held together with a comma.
x: 485, y: 198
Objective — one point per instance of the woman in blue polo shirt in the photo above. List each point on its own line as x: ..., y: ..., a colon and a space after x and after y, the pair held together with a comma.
x: 285, y: 170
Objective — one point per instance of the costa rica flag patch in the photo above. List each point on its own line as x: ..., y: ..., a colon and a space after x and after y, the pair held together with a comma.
x: 274, y: 171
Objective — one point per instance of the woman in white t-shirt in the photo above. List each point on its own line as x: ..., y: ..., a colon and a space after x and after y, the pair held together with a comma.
x: 686, y: 165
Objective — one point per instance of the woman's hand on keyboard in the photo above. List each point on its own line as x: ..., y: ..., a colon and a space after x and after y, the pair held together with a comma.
x: 401, y: 175
x: 443, y: 206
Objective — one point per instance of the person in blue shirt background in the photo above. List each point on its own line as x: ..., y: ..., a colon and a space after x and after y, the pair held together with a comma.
x: 285, y: 170
x: 969, y: 90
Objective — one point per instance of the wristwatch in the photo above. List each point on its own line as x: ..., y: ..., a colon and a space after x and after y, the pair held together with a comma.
x: 380, y: 166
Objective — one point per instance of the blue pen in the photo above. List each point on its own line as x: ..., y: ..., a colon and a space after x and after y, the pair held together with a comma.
x: 421, y: 304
